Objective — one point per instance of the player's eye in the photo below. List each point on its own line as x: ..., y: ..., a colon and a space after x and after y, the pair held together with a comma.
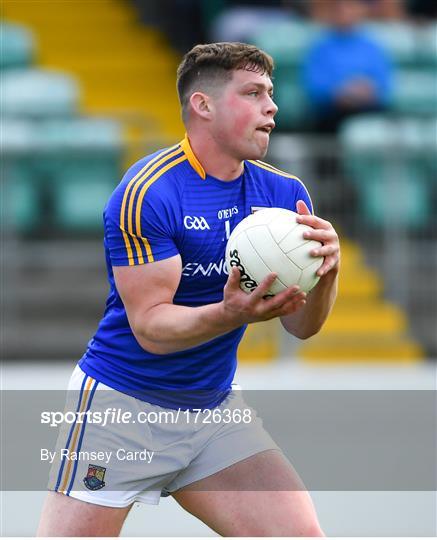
x: 253, y: 93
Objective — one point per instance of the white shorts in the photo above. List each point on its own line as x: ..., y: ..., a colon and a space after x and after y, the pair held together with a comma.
x: 149, y: 452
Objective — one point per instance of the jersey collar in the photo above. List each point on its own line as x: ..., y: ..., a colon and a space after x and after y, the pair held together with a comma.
x: 192, y: 159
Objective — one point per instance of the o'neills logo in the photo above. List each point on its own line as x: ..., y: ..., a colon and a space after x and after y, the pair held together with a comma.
x: 247, y: 282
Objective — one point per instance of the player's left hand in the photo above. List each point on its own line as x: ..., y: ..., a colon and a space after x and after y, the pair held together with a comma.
x: 323, y: 232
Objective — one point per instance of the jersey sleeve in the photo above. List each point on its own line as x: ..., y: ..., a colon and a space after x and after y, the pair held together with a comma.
x: 302, y: 194
x: 291, y: 190
x: 139, y: 230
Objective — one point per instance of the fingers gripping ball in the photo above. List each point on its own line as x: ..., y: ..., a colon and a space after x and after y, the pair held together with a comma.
x: 270, y: 240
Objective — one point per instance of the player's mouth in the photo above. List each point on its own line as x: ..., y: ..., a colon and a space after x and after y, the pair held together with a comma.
x: 266, y: 128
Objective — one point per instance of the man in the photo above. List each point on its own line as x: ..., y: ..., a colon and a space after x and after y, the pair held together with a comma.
x: 346, y: 71
x: 168, y: 339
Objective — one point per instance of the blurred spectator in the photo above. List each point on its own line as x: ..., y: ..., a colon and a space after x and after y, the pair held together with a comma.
x: 321, y: 10
x: 346, y: 71
x: 386, y: 10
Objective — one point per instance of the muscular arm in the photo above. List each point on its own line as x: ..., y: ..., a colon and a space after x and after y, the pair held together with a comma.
x: 319, y: 302
x: 161, y: 327
x: 309, y: 320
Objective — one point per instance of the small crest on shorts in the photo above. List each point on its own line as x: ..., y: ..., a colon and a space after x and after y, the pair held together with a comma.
x: 95, y: 477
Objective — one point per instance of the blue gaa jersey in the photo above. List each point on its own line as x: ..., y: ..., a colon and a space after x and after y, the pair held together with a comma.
x: 167, y: 205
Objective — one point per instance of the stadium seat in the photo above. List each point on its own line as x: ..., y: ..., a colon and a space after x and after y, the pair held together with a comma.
x: 20, y: 197
x: 58, y: 174
x: 385, y: 158
x: 84, y: 134
x: 398, y: 39
x: 17, y: 46
x: 80, y: 194
x: 427, y: 46
x: 294, y: 110
x: 38, y: 93
x: 415, y: 91
x: 85, y: 168
x: 20, y: 209
x: 429, y: 145
x: 288, y: 41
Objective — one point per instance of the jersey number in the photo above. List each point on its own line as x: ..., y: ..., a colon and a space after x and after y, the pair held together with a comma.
x: 227, y: 229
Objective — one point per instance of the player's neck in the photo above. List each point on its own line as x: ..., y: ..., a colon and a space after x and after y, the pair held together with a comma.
x: 213, y: 159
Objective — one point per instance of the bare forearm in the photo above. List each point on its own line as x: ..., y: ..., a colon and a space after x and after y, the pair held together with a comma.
x: 164, y: 327
x: 309, y: 320
x: 168, y: 328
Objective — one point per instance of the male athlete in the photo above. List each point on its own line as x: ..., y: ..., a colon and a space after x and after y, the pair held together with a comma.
x: 174, y: 318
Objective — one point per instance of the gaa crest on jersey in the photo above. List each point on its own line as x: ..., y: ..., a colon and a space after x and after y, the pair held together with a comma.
x: 95, y: 477
x: 198, y: 223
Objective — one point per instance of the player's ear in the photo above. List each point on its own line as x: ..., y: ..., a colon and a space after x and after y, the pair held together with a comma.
x: 201, y: 104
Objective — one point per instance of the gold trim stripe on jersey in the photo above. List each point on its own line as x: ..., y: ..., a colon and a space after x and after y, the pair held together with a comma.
x: 129, y: 194
x: 270, y: 168
x: 143, y: 192
x: 135, y: 235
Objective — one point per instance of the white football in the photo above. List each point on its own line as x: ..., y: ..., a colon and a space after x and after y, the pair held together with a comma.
x: 271, y: 240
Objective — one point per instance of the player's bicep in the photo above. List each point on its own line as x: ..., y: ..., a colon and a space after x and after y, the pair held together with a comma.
x: 145, y: 286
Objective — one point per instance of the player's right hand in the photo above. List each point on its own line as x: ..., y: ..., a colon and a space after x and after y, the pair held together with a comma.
x: 254, y: 307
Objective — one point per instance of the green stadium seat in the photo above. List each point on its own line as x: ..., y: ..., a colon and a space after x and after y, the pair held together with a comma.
x: 20, y: 199
x: 84, y: 134
x: 17, y: 46
x: 415, y: 92
x: 58, y: 174
x: 294, y: 110
x: 398, y: 39
x: 86, y: 167
x: 430, y: 146
x: 38, y: 93
x: 427, y: 46
x: 385, y: 158
x: 407, y: 45
x: 80, y: 198
x: 287, y: 42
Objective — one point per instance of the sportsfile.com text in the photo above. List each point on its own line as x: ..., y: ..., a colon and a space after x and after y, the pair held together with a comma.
x: 114, y: 415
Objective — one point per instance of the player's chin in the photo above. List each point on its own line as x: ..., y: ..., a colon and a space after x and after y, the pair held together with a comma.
x: 259, y: 150
x: 262, y: 153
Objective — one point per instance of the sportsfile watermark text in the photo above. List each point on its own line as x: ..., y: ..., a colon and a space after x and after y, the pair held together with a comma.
x: 113, y: 415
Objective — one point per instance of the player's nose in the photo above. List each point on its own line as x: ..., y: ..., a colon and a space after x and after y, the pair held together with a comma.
x: 271, y: 107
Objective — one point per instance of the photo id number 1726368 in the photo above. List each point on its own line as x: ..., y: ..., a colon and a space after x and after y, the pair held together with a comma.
x: 218, y: 416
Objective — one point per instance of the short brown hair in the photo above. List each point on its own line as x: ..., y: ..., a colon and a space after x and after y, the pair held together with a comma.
x: 209, y: 65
